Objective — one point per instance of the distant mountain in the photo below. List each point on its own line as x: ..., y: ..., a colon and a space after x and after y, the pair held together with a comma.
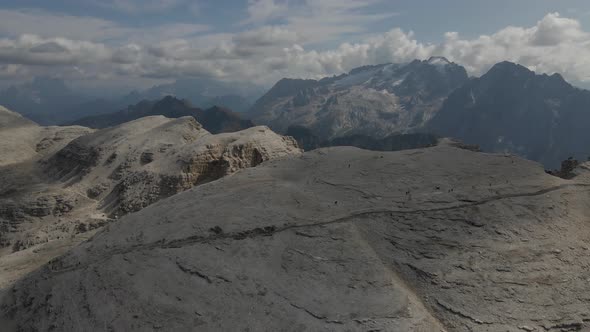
x: 215, y: 119
x: 376, y: 100
x: 204, y: 93
x: 512, y: 109
x: 49, y: 101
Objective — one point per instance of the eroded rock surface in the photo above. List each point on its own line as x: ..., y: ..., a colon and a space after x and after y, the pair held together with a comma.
x: 104, y: 175
x: 339, y: 239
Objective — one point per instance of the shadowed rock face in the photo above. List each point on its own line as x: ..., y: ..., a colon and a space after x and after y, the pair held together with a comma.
x: 373, y: 101
x: 215, y: 119
x: 512, y: 109
x: 308, y: 140
x: 336, y: 239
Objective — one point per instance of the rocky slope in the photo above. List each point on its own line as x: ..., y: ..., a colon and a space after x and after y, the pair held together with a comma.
x: 512, y: 109
x: 374, y: 100
x: 103, y: 175
x: 339, y: 239
x: 215, y: 119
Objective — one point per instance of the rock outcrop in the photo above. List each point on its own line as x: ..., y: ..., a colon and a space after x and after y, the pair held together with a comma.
x: 437, y: 239
x: 104, y: 175
x: 154, y: 157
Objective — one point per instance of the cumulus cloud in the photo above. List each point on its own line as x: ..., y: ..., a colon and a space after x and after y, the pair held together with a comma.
x: 262, y: 11
x: 266, y: 53
x: 316, y: 20
x: 33, y: 50
x: 266, y: 36
x: 554, y: 44
x: 14, y: 23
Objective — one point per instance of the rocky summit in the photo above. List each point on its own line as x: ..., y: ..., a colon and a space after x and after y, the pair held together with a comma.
x: 54, y: 200
x: 337, y: 239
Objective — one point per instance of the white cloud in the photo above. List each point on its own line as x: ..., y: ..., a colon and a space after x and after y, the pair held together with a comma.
x: 14, y: 23
x: 266, y: 36
x: 262, y: 11
x: 34, y: 50
x: 316, y: 20
x: 554, y: 44
x: 266, y: 53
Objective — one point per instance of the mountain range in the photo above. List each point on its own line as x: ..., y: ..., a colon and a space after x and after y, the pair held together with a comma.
x: 215, y: 119
x: 372, y: 100
x: 167, y: 217
x: 50, y: 101
x: 510, y: 109
x: 205, y: 93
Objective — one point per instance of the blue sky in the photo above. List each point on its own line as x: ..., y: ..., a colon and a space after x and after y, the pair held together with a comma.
x: 139, y: 42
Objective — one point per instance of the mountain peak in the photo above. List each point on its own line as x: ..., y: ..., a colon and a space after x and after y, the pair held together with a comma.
x: 438, y: 60
x: 171, y: 101
x: 505, y: 66
x: 512, y: 72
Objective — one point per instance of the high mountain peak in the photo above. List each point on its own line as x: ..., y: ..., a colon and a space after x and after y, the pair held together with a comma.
x: 393, y: 98
x: 438, y: 60
x: 509, y: 70
x: 513, y: 74
x: 171, y: 101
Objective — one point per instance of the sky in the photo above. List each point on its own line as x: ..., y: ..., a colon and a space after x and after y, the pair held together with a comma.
x: 138, y: 43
